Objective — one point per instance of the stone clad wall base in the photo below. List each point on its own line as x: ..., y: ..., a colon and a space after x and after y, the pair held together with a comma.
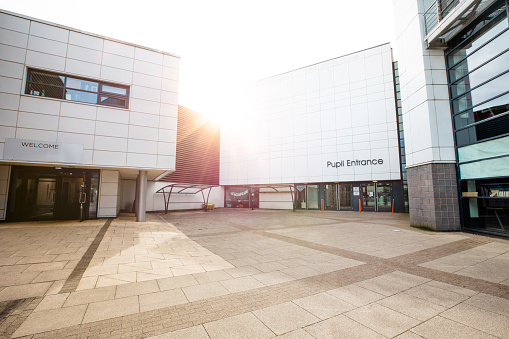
x: 433, y: 197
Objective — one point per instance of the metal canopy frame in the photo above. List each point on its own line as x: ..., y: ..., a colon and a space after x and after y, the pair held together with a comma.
x: 275, y: 187
x: 183, y: 187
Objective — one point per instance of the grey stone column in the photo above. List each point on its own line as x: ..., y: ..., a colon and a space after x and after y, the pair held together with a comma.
x: 433, y: 197
x: 141, y: 196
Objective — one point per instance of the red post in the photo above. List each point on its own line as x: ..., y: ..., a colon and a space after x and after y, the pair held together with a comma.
x: 392, y: 205
x: 323, y: 205
x: 359, y: 205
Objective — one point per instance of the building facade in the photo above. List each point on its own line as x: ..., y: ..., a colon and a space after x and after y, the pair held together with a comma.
x: 453, y: 67
x: 329, y: 132
x: 88, y: 125
x: 79, y: 113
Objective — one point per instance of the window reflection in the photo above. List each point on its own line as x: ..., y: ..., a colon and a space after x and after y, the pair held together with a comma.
x: 489, y: 51
x: 470, y: 117
x: 472, y: 46
x: 474, y: 79
x: 114, y: 90
x: 491, y: 89
x: 487, y: 130
x: 46, y: 84
x: 82, y: 84
x: 80, y: 96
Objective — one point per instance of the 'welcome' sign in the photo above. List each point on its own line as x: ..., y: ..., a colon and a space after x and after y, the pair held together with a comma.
x: 36, y: 150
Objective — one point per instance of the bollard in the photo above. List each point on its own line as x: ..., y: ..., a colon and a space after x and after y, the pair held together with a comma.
x: 323, y: 206
x: 359, y: 205
x: 393, y: 206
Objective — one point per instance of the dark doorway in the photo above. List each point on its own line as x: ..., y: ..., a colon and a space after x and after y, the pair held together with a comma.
x: 46, y: 193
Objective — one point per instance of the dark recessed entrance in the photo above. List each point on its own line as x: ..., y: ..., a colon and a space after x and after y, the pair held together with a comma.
x: 46, y: 193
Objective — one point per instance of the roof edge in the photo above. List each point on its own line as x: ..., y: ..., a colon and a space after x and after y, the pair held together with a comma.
x: 86, y: 33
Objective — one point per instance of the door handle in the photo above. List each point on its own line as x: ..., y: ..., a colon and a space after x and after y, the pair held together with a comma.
x: 83, y: 198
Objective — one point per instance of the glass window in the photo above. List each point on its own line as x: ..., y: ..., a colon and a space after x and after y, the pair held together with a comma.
x: 41, y: 83
x: 490, y: 19
x: 483, y: 150
x: 45, y: 84
x: 486, y: 130
x: 80, y: 96
x: 82, y: 84
x: 486, y: 204
x: 489, y: 51
x: 114, y: 89
x: 111, y: 101
x: 477, y: 96
x: 472, y: 116
x: 300, y: 197
x: 313, y: 197
x: 472, y: 45
x: 480, y: 75
x: 475, y: 170
x: 237, y: 197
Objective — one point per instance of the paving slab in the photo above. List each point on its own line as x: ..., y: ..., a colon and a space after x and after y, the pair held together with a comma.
x: 243, y: 273
x: 341, y: 327
x: 50, y: 320
x: 382, y: 319
x: 285, y: 317
x: 241, y: 326
x: 442, y: 328
x: 323, y: 305
x: 156, y: 300
x: 111, y: 309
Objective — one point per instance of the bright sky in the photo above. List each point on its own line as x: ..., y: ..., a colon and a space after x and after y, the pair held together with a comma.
x: 227, y: 43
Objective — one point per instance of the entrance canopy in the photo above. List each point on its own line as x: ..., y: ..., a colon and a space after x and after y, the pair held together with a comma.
x: 184, y: 189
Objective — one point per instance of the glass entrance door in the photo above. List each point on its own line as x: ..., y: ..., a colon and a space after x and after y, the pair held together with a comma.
x: 68, y: 198
x: 44, y: 193
x: 345, y: 200
x: 368, y: 197
x: 383, y: 194
x: 376, y: 197
x: 331, y: 197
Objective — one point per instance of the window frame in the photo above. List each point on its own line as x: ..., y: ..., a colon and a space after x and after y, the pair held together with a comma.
x: 99, y: 93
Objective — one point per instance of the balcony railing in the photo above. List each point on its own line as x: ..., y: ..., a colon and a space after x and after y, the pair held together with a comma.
x: 437, y: 12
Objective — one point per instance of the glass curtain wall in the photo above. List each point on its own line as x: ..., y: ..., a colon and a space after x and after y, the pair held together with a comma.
x: 478, y: 72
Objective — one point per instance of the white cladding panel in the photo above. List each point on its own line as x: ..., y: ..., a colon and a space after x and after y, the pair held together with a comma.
x: 424, y: 91
x: 310, y: 124
x: 28, y: 43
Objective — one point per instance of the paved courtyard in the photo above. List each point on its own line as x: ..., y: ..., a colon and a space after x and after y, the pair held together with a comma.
x: 233, y: 273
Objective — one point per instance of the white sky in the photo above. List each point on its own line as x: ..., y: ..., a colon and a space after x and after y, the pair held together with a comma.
x: 226, y: 43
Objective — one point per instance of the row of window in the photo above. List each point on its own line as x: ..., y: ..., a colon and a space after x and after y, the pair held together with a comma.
x: 478, y: 70
x: 59, y: 86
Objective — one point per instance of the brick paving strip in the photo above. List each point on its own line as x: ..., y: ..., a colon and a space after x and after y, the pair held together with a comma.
x: 14, y: 312
x: 176, y: 317
x: 74, y: 278
x: 408, y: 263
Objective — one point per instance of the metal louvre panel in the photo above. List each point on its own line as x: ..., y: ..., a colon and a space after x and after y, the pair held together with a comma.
x: 198, y: 147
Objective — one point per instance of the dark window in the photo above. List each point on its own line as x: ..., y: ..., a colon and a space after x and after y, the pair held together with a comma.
x: 59, y: 86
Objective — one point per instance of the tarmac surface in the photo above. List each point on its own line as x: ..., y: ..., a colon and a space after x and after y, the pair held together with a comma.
x: 240, y: 273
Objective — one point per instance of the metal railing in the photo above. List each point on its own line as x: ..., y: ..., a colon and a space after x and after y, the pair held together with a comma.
x: 437, y: 12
